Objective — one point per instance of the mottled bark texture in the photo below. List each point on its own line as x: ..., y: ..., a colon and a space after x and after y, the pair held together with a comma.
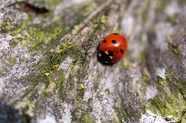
x: 49, y: 70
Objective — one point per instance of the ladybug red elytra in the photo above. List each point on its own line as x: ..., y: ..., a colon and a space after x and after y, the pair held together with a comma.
x: 112, y: 48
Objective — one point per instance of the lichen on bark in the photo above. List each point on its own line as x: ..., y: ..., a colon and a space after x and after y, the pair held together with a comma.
x: 49, y: 70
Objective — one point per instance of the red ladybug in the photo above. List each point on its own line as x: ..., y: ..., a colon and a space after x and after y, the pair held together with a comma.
x: 112, y: 48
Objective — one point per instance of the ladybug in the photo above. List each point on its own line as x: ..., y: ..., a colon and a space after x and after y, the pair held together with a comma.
x: 111, y: 48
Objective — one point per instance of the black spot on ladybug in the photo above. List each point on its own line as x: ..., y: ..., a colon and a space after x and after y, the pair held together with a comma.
x: 115, y: 33
x: 114, y: 42
x: 105, y: 41
x: 110, y: 53
x: 121, y: 50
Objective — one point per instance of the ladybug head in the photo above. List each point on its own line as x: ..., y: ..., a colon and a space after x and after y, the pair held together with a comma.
x: 104, y: 58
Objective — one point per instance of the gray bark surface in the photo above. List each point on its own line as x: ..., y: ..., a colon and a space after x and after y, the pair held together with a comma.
x: 49, y: 71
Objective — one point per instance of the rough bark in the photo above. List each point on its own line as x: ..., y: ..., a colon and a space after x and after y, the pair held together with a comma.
x: 49, y: 70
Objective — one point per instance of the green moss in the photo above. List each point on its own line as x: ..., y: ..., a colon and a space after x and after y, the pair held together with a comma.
x: 25, y: 118
x: 168, y: 75
x: 8, y: 63
x: 181, y: 2
x: 58, y: 76
x: 103, y: 19
x: 95, y: 25
x: 99, y: 23
x: 80, y: 94
x: 161, y: 83
x: 144, y: 14
x: 77, y: 115
x: 183, y: 120
x: 1, y: 74
x: 126, y: 62
x: 19, y: 28
x: 5, y: 26
x: 161, y: 5
x: 86, y: 118
x: 42, y: 36
x: 96, y: 85
x: 118, y: 115
x: 142, y: 57
x: 168, y: 104
x: 170, y: 99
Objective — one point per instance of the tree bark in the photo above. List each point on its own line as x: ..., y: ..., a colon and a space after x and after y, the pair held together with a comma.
x: 49, y: 71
